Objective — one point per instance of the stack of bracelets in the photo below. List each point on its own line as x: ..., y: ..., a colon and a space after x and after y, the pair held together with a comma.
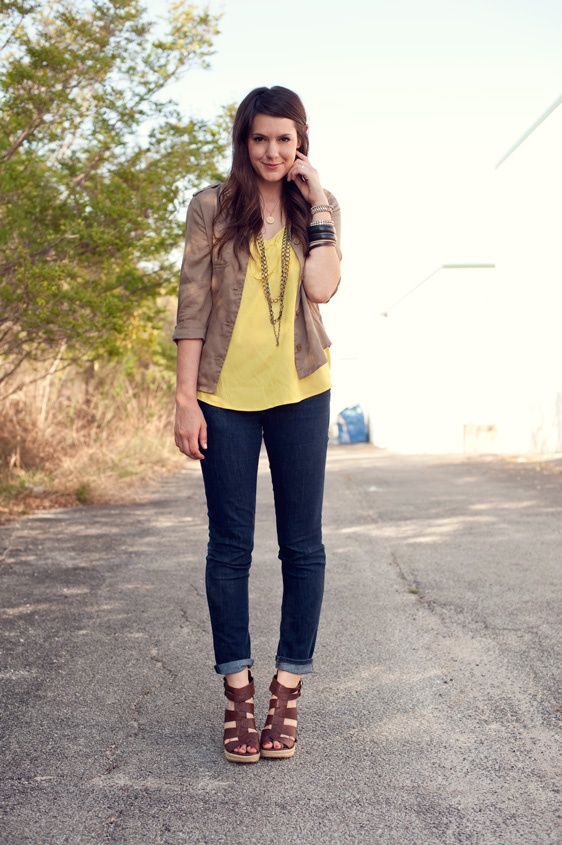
x: 321, y: 232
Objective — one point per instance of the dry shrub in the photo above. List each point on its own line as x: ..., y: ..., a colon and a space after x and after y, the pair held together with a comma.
x: 85, y: 436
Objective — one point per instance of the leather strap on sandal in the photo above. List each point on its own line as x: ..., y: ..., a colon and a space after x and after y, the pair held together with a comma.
x: 276, y: 730
x: 245, y: 731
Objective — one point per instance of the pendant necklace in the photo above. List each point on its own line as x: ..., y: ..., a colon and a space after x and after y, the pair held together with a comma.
x: 279, y: 300
x: 270, y: 218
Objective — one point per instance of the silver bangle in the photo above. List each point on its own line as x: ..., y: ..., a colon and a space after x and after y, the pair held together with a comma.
x: 316, y: 208
x: 322, y: 223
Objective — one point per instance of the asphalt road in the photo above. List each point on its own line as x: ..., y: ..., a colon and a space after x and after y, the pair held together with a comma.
x: 434, y: 715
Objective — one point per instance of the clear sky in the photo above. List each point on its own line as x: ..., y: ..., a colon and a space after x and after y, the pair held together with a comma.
x: 411, y: 103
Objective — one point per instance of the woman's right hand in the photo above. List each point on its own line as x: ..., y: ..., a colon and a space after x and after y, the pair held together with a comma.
x: 190, y: 429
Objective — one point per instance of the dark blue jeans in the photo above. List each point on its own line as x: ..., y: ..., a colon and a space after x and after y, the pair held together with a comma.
x: 296, y: 439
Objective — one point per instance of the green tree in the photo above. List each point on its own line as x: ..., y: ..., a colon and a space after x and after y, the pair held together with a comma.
x: 95, y: 168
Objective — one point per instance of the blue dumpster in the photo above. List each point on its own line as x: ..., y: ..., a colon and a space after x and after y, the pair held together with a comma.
x: 352, y: 427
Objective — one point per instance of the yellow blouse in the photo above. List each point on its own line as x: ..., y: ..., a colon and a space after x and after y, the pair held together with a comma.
x: 257, y: 374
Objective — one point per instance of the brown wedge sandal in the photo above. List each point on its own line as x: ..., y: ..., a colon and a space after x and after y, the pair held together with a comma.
x: 276, y: 730
x: 244, y: 732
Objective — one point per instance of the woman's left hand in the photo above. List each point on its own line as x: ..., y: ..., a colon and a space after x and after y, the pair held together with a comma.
x: 306, y: 178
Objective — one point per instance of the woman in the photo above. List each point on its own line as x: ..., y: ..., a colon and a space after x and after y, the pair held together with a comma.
x: 260, y: 254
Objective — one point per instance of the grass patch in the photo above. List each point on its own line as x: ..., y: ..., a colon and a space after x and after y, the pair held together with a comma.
x: 83, y: 494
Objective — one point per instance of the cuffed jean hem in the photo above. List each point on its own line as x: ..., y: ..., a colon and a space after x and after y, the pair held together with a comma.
x: 234, y: 666
x: 296, y: 667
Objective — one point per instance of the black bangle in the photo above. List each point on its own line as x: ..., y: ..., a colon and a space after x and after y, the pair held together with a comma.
x: 316, y: 230
x: 321, y: 230
x: 323, y: 236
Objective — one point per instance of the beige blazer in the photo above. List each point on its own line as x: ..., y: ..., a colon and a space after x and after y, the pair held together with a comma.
x: 210, y: 292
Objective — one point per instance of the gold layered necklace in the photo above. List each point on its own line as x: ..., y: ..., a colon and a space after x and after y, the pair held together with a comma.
x: 279, y: 300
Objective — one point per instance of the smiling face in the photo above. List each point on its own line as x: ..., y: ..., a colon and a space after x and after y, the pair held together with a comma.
x: 272, y: 147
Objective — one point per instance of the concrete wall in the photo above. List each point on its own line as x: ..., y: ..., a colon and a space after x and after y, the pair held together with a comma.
x: 472, y: 360
x: 529, y: 266
x: 436, y: 365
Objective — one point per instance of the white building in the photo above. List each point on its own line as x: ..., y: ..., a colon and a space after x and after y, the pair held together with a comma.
x: 471, y: 360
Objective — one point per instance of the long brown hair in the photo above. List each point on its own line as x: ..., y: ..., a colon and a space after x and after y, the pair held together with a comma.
x: 239, y: 207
